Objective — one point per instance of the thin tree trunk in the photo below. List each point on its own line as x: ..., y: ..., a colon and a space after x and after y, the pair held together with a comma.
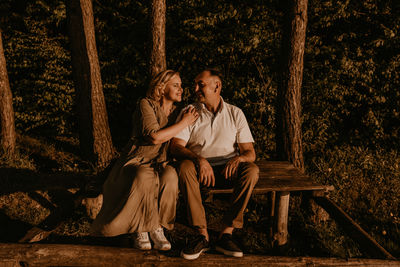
x: 289, y: 137
x: 157, y: 56
x: 7, y: 124
x: 94, y: 132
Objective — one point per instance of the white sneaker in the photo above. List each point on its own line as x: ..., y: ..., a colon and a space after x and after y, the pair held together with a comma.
x: 159, y: 239
x: 142, y: 241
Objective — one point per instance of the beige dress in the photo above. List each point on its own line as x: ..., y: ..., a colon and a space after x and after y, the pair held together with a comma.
x: 141, y: 190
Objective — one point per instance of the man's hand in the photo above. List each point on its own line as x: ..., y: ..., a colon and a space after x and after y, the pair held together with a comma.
x: 206, y: 173
x: 231, y: 167
x: 247, y: 154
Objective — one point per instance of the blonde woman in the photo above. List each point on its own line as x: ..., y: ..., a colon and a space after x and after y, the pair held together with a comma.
x: 140, y: 193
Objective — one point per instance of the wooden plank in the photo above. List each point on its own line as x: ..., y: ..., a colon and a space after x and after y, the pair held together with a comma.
x: 280, y: 176
x: 353, y: 229
x: 282, y: 188
x: 79, y: 255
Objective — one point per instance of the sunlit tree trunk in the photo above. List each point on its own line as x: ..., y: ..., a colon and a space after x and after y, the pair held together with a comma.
x: 157, y: 54
x: 289, y: 143
x: 289, y: 136
x: 94, y: 132
x: 7, y: 124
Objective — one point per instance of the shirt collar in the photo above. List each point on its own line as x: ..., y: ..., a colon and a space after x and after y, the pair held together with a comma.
x: 221, y: 107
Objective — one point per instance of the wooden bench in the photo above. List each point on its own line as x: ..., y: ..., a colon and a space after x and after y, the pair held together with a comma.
x: 280, y: 178
x: 277, y: 178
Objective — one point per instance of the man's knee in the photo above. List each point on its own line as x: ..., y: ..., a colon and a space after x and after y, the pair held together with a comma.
x: 250, y: 172
x: 187, y: 174
x: 186, y: 167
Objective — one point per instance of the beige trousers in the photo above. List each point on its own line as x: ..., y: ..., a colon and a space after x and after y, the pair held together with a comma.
x: 243, y: 186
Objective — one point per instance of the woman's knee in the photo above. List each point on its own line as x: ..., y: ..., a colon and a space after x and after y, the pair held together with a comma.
x: 169, y: 177
x: 140, y: 174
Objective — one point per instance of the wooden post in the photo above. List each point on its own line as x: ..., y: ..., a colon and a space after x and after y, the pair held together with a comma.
x: 366, y: 242
x: 272, y: 200
x: 280, y: 236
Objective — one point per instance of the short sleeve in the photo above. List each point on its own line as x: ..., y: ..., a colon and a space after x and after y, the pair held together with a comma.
x: 148, y: 117
x: 243, y: 131
x: 185, y: 133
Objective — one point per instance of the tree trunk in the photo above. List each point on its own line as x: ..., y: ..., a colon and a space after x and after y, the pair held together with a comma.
x: 85, y: 255
x: 157, y: 56
x: 7, y: 124
x: 94, y: 132
x: 289, y: 137
x: 289, y: 143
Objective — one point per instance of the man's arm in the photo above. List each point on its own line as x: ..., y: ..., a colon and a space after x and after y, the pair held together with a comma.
x: 179, y: 150
x: 246, y: 154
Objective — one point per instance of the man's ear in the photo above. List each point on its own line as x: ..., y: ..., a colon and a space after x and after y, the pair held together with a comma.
x: 217, y: 85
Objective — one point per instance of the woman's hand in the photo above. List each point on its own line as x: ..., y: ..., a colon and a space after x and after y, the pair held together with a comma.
x: 190, y: 116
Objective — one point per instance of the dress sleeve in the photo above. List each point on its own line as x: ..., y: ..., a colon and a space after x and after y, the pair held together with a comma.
x: 185, y: 133
x: 148, y: 118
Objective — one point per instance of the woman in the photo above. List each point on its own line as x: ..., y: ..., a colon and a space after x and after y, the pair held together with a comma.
x: 140, y: 193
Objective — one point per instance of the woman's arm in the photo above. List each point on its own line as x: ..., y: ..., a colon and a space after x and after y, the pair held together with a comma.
x: 165, y: 134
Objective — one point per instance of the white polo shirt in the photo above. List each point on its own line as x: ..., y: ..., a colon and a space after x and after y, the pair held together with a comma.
x: 215, y: 136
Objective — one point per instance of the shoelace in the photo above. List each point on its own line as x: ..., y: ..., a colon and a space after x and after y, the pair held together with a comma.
x: 200, y: 239
x: 160, y: 234
x: 142, y: 236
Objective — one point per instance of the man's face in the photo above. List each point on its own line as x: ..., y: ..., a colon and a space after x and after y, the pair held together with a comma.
x: 206, y: 87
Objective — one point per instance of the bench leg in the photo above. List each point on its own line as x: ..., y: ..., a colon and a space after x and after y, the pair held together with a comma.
x: 280, y: 235
x: 271, y: 213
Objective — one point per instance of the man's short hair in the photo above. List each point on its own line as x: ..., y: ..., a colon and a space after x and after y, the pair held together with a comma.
x: 215, y: 72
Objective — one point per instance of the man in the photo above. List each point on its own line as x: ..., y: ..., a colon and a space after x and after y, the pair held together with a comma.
x: 217, y: 150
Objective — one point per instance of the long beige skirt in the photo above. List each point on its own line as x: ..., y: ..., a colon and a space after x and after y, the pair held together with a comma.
x: 137, y: 199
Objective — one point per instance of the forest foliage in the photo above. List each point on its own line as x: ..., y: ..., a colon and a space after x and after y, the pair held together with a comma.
x: 350, y: 92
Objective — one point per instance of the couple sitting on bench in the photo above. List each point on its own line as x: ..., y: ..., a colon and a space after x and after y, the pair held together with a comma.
x: 214, y: 147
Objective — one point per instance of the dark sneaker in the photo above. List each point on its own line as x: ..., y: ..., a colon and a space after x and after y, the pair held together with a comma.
x: 226, y: 246
x: 195, y: 247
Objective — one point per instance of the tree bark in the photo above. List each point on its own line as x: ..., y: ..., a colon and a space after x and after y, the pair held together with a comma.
x: 7, y: 124
x: 84, y: 255
x: 289, y: 137
x: 94, y: 132
x: 157, y: 55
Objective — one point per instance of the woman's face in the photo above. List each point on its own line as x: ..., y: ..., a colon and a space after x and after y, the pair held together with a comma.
x: 173, y: 89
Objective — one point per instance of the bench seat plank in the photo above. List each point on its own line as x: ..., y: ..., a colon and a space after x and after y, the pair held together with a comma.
x: 280, y: 176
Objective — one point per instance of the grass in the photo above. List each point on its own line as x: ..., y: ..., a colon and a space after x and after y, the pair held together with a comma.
x: 367, y: 184
x: 47, y: 173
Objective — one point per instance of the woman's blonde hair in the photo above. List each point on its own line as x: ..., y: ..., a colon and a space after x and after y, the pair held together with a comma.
x: 158, y: 83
